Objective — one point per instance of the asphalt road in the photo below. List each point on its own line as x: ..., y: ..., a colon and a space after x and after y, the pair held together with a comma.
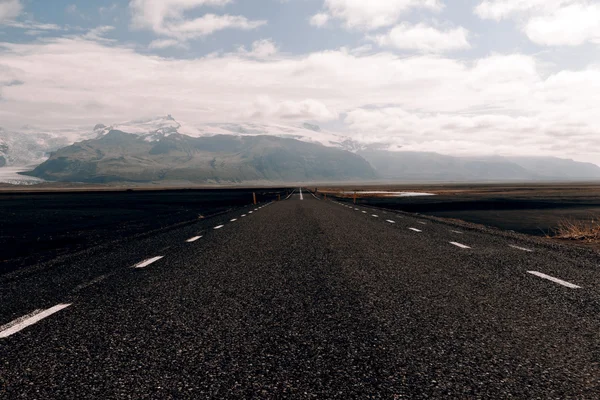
x: 306, y: 299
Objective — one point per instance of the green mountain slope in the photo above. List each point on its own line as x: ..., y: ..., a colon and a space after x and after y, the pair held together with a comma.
x: 119, y: 156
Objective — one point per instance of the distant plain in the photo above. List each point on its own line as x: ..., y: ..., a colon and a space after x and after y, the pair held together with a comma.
x: 534, y: 209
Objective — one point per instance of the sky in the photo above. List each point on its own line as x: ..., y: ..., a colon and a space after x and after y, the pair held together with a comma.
x: 462, y: 77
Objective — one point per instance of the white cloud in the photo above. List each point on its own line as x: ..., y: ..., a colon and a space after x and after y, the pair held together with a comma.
x: 305, y: 110
x: 165, y: 43
x: 10, y: 9
x: 319, y: 19
x: 567, y: 26
x: 424, y: 38
x: 549, y: 22
x: 98, y: 33
x: 261, y: 49
x: 500, y: 9
x: 167, y: 18
x: 34, y: 25
x: 425, y: 101
x: 210, y: 23
x: 371, y: 14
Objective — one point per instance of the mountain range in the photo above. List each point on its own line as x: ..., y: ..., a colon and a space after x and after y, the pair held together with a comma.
x: 163, y: 149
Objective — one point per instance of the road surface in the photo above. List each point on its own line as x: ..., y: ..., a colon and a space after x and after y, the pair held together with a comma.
x: 306, y: 299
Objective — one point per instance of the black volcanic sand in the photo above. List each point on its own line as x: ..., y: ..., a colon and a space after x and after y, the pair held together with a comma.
x: 534, y: 210
x: 35, y: 227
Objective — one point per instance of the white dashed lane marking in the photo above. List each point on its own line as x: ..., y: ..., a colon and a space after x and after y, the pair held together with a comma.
x: 462, y: 246
x: 364, y: 212
x: 415, y: 229
x: 147, y: 262
x: 243, y: 215
x: 195, y: 238
x: 21, y: 323
x: 390, y: 221
x: 219, y: 227
x: 520, y: 248
x: 459, y: 232
x: 422, y: 223
x: 555, y: 280
x: 233, y: 220
x: 375, y: 216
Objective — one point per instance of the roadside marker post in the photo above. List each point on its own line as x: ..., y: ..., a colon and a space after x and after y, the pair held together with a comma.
x: 254, y: 197
x: 355, y: 197
x: 278, y: 197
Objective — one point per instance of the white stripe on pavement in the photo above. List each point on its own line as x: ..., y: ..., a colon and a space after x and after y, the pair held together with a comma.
x: 147, y: 262
x: 219, y: 227
x: 415, y: 229
x: 390, y: 221
x: 192, y: 240
x: 21, y: 323
x: 520, y: 248
x: 233, y: 220
x: 462, y: 246
x: 375, y: 216
x: 553, y: 279
x: 301, y: 197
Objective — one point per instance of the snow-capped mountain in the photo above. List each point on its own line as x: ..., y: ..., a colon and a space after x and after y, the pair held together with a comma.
x: 154, y: 129
x: 32, y: 146
x: 28, y: 147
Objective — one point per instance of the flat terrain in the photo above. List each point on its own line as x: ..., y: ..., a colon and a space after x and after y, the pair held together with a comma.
x: 532, y: 209
x: 40, y: 226
x: 305, y: 298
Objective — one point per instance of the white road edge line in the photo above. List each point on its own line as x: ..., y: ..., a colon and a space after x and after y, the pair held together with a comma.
x: 415, y: 229
x: 218, y: 227
x: 462, y: 246
x: 555, y: 280
x: 390, y: 221
x: 21, y: 323
x: 520, y: 248
x: 195, y: 238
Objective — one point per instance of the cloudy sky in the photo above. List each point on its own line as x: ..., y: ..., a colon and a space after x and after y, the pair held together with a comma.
x: 457, y: 77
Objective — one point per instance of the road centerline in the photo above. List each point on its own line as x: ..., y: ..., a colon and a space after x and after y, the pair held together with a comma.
x: 21, y: 323
x: 147, y: 262
x: 462, y: 246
